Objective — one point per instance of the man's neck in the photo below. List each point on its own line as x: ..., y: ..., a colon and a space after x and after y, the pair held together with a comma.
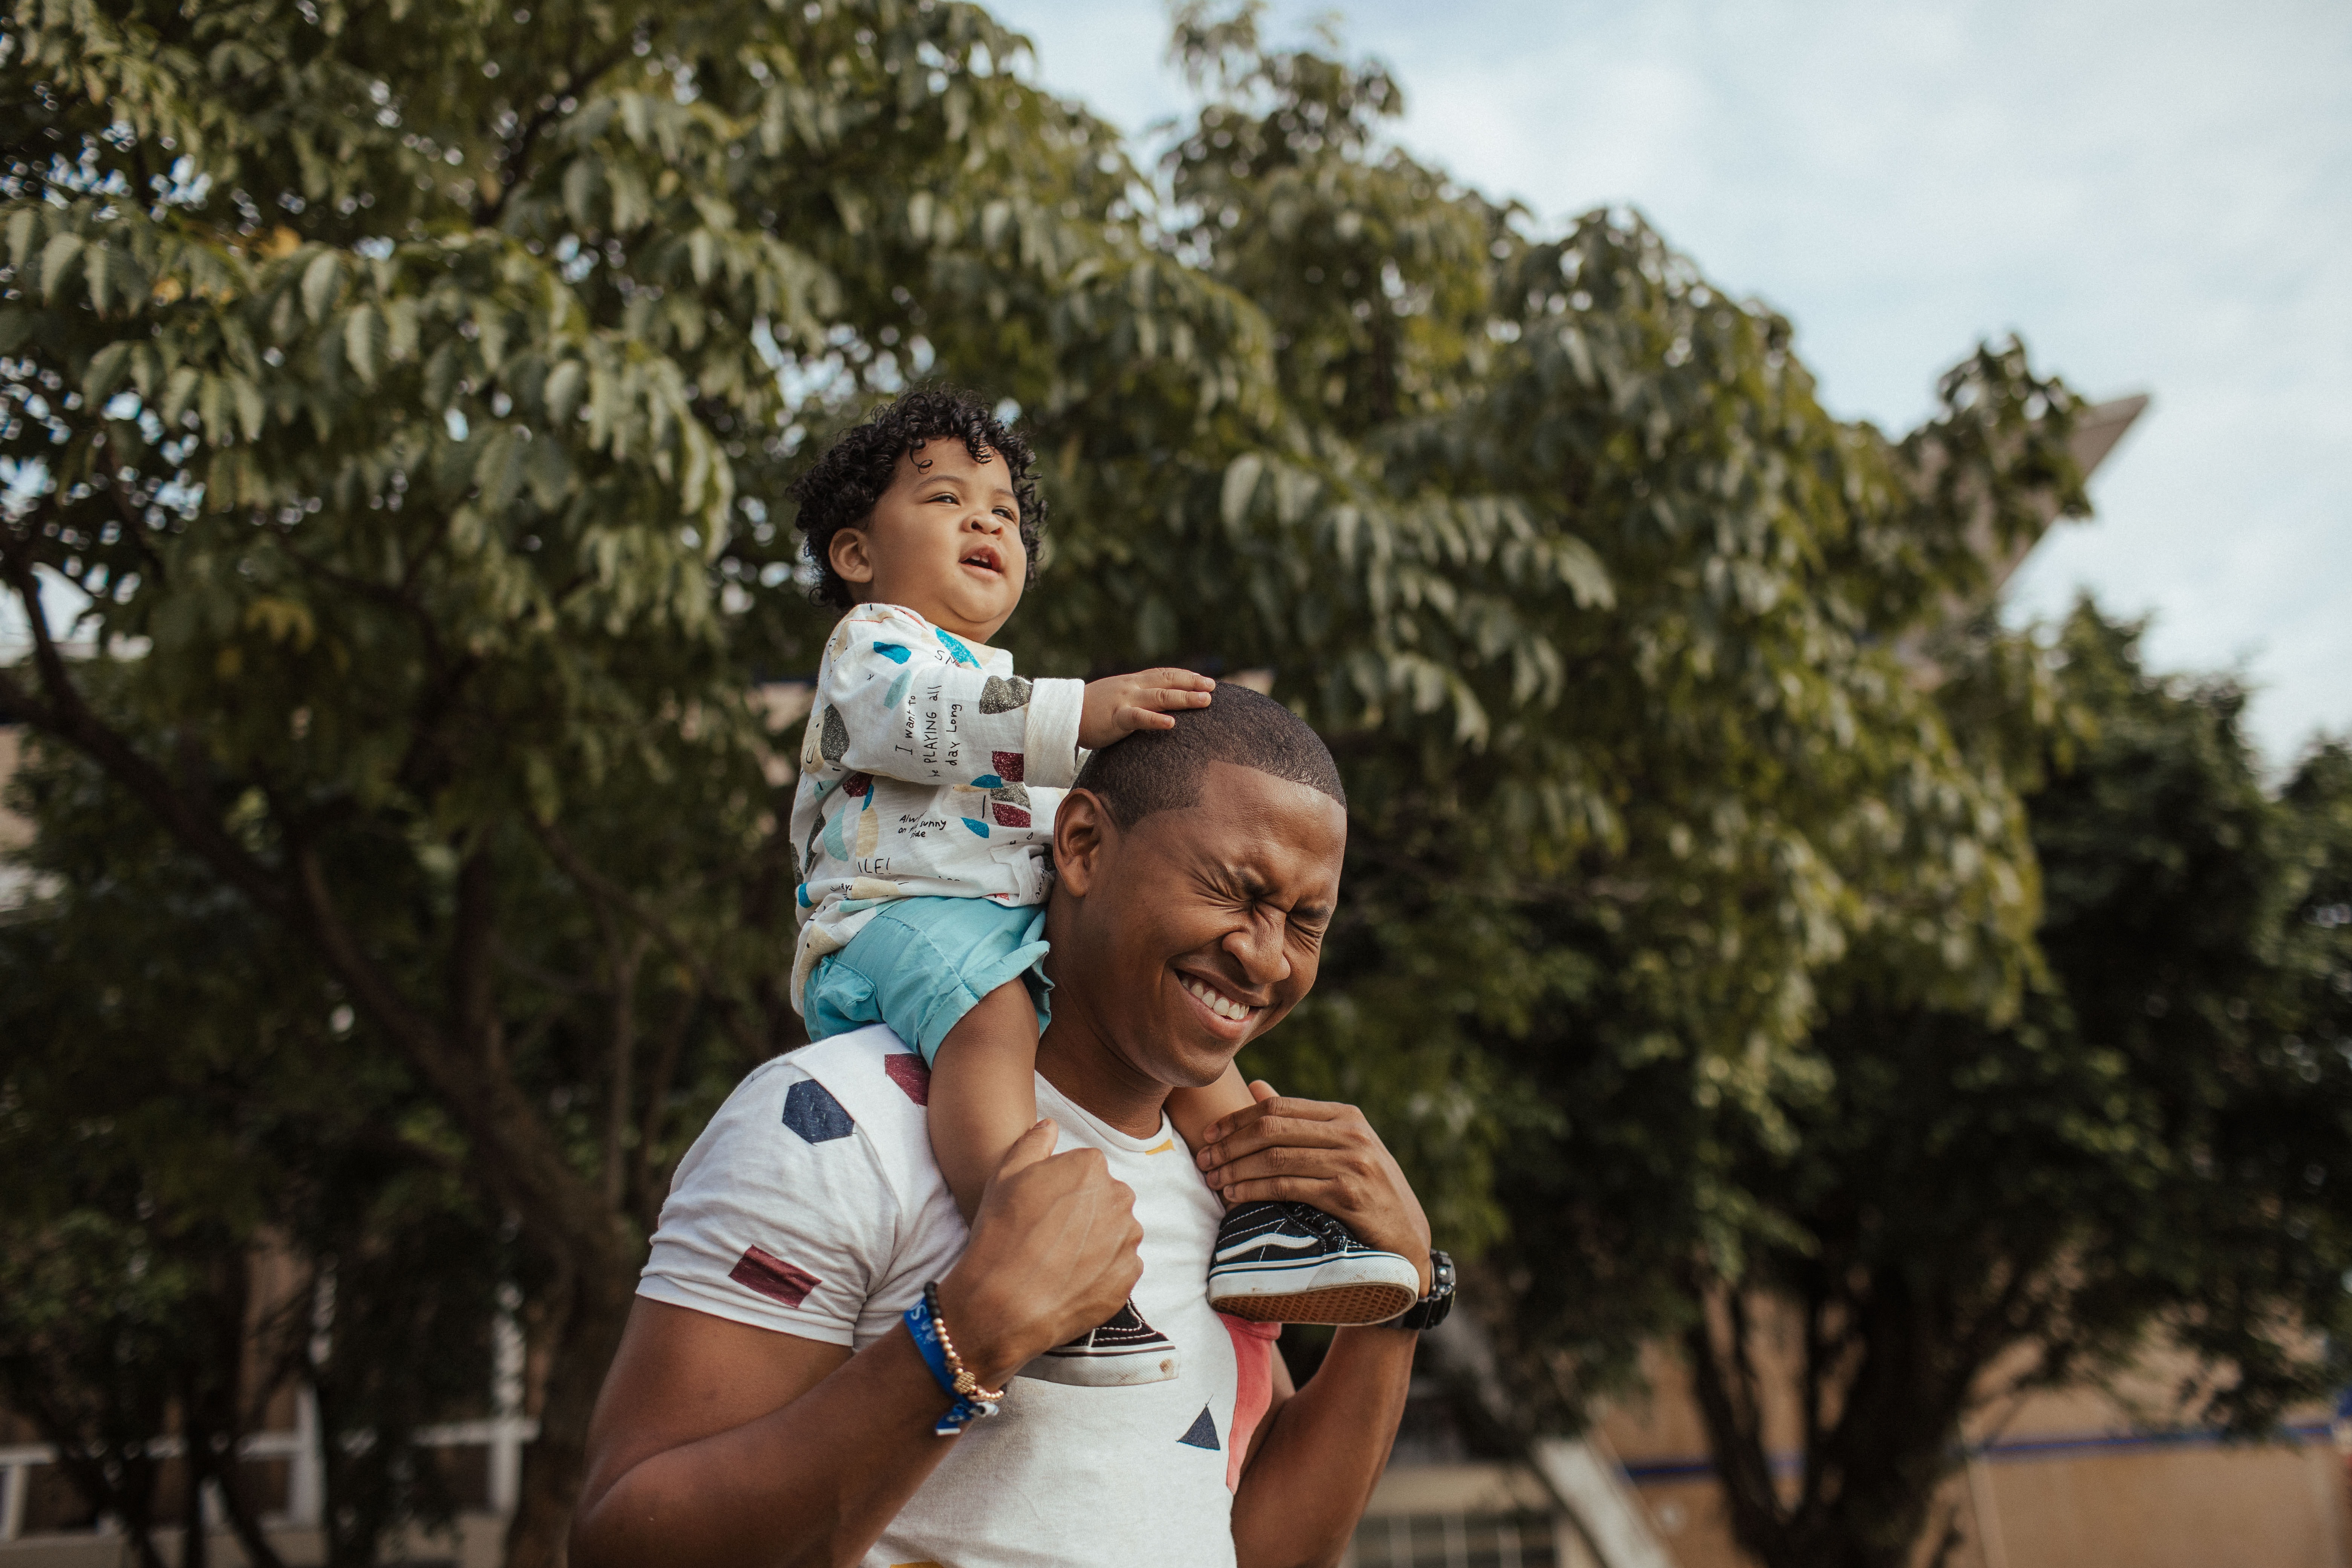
x: 1077, y: 1060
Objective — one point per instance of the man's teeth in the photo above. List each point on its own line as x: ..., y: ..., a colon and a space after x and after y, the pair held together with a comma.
x: 1217, y: 1001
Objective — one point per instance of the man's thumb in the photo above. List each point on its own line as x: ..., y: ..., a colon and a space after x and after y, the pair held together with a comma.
x: 1029, y: 1148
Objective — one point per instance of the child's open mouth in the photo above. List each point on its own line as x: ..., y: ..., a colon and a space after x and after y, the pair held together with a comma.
x: 985, y: 559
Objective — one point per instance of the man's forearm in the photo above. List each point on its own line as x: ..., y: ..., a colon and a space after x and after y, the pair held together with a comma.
x: 1309, y: 1481
x: 815, y: 1482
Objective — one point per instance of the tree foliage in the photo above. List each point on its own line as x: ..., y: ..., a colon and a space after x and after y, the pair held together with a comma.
x: 218, y: 1188
x: 411, y: 392
x: 1958, y: 1207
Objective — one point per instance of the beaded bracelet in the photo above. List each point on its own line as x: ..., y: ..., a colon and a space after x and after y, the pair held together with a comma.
x: 929, y: 1328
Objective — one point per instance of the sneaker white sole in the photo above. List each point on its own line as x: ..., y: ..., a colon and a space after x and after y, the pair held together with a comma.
x: 1341, y: 1292
x: 1095, y: 1369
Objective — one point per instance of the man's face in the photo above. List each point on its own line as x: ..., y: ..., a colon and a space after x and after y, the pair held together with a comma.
x: 1193, y: 932
x: 944, y: 541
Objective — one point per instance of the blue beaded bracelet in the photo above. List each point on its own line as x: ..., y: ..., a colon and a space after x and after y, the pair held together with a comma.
x: 923, y: 1323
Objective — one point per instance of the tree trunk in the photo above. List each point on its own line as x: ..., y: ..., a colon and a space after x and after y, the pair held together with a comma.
x: 1867, y: 1489
x: 583, y: 1328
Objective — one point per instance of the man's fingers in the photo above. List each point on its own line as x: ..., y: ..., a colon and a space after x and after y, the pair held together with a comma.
x: 1222, y: 1127
x: 1273, y: 1133
x: 1281, y: 1190
x: 1276, y: 1120
x: 1328, y: 1164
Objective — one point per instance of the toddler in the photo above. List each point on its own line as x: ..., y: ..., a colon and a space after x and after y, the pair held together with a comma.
x: 924, y: 823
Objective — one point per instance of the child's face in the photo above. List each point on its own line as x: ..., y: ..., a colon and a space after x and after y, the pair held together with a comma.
x: 944, y: 541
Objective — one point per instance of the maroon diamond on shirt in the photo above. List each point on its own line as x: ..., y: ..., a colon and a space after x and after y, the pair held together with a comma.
x: 761, y: 1270
x: 910, y: 1075
x: 1010, y: 816
x: 1008, y: 765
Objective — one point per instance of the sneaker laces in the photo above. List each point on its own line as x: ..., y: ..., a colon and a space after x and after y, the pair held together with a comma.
x: 1328, y: 1227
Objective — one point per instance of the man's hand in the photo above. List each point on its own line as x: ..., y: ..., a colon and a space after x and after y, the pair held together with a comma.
x: 1117, y: 705
x: 1316, y: 1151
x: 716, y: 1442
x: 1053, y: 1253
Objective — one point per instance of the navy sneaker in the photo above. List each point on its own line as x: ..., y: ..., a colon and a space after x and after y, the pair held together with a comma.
x: 1122, y: 1353
x: 1292, y: 1263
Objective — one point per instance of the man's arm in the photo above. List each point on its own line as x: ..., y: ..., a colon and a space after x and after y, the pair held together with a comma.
x: 1321, y: 1450
x: 717, y: 1444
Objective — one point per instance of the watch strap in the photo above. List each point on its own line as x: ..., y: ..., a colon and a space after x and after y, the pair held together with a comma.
x: 1430, y: 1310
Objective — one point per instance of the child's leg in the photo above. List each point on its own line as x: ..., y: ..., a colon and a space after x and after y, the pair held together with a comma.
x: 1193, y: 1110
x: 983, y: 1094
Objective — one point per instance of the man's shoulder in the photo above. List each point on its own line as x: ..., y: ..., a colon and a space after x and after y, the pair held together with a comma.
x: 811, y: 1190
x: 870, y: 1069
x: 870, y: 1083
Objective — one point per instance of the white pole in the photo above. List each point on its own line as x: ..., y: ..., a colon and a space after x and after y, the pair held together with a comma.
x: 12, y: 1502
x: 507, y: 1352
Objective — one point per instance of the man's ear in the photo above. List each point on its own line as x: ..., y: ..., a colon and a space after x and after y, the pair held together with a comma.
x: 1085, y: 836
x: 851, y: 556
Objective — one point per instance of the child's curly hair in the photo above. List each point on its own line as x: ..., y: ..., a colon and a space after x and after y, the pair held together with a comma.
x: 840, y: 489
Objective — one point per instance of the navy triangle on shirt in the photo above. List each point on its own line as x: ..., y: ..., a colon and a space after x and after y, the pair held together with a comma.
x: 1202, y: 1433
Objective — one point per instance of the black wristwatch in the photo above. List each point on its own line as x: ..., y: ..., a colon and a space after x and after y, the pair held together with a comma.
x: 1430, y: 1310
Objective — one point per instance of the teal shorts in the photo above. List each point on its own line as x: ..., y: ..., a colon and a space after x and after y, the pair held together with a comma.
x: 919, y: 965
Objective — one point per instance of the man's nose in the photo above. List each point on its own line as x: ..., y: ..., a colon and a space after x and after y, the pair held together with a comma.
x: 1258, y: 947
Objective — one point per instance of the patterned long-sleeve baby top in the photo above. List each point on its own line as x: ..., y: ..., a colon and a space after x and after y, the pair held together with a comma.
x: 930, y: 769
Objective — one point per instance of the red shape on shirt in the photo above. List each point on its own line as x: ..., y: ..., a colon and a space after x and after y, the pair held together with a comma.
x: 858, y: 783
x: 1253, y: 1388
x: 1008, y: 765
x: 761, y: 1270
x: 1009, y: 816
x: 910, y: 1075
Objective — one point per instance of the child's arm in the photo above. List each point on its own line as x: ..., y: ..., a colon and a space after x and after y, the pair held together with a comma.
x: 888, y: 703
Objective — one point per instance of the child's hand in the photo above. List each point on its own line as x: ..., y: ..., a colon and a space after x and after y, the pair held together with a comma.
x: 1119, y: 704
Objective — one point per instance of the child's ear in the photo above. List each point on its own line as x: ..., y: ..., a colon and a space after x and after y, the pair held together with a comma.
x: 1083, y: 831
x: 851, y: 554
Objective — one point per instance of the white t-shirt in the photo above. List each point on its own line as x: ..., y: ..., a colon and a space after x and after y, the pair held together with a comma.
x: 811, y: 1204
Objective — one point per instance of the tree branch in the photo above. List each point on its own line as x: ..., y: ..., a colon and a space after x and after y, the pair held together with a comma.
x: 657, y: 1095
x: 68, y: 716
x: 597, y: 886
x: 473, y: 943
x: 518, y: 148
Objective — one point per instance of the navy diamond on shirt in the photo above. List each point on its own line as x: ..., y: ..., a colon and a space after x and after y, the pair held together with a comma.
x: 810, y: 1111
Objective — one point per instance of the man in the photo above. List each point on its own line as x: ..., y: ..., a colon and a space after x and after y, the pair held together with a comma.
x: 767, y: 1404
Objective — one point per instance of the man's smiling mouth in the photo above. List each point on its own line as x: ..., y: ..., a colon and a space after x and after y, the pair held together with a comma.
x: 1214, y: 1000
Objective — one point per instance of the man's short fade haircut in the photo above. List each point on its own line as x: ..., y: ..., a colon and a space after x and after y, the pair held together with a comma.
x: 840, y: 489
x: 1160, y: 770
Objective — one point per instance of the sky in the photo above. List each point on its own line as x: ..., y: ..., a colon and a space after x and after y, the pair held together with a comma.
x: 2156, y: 196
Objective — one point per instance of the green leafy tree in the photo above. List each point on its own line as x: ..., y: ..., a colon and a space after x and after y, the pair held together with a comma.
x: 400, y: 385
x: 219, y: 1184
x: 408, y: 393
x: 1954, y: 1208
